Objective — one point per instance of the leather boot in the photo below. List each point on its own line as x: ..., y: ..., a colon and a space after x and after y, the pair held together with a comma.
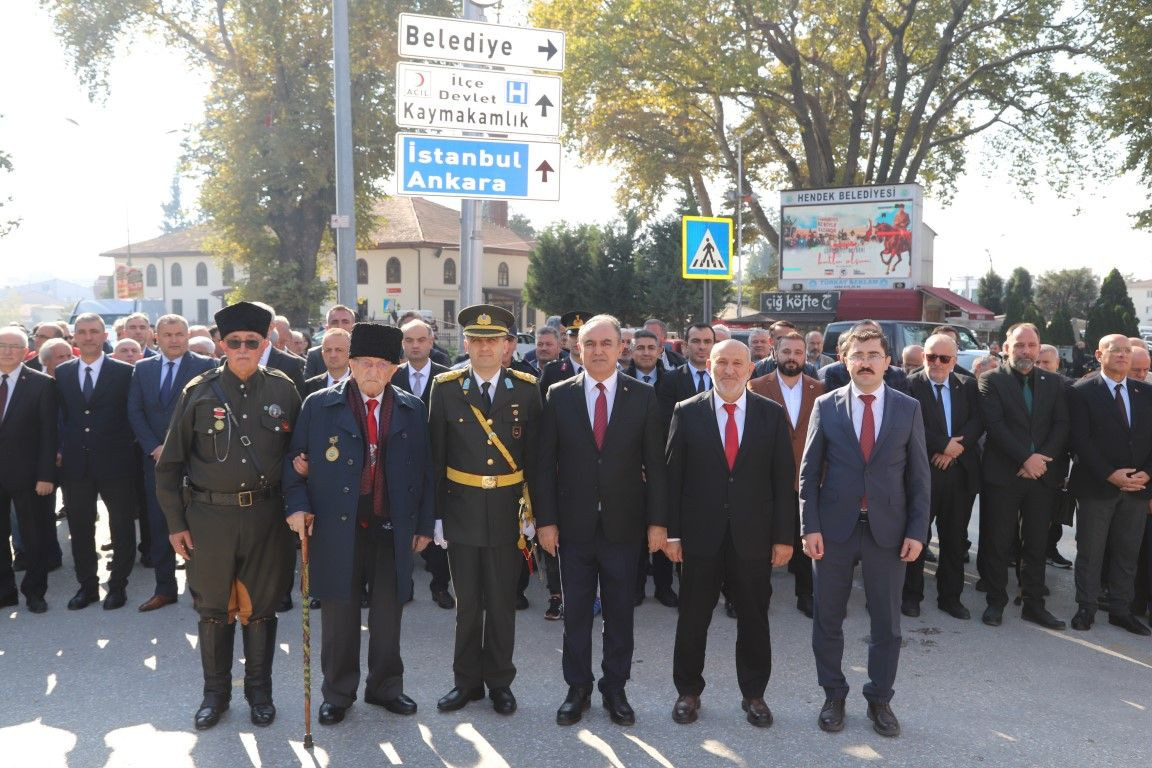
x: 216, y: 641
x: 259, y: 648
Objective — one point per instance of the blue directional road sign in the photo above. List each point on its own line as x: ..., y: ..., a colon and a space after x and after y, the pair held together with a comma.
x: 485, y: 169
x: 706, y: 247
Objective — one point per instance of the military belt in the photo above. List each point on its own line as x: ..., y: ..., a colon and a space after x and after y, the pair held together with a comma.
x: 485, y: 481
x: 236, y: 498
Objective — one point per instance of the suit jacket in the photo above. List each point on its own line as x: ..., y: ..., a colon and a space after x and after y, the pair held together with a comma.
x: 1103, y: 442
x: 622, y: 486
x: 836, y: 375
x: 769, y: 387
x: 96, y: 438
x: 967, y: 421
x: 147, y: 415
x: 315, y: 384
x: 896, y: 480
x: 675, y: 359
x: 1013, y: 433
x: 400, y: 379
x: 289, y: 364
x: 755, y: 499
x: 659, y: 372
x: 314, y: 363
x: 678, y: 384
x: 325, y: 493
x: 555, y: 371
x: 769, y: 365
x: 28, y: 432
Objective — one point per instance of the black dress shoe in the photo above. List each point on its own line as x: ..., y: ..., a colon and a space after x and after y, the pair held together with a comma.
x: 10, y: 600
x: 832, y: 715
x: 686, y: 709
x: 570, y: 712
x: 401, y: 705
x: 1084, y: 619
x: 804, y: 605
x: 981, y: 585
x: 1057, y: 560
x: 502, y: 700
x: 1041, y: 616
x: 314, y: 604
x: 521, y: 603
x: 37, y: 605
x: 667, y: 597
x: 910, y: 608
x: 955, y: 609
x: 730, y: 609
x: 115, y: 599
x: 1130, y: 623
x: 444, y: 599
x: 618, y: 708
x: 208, y: 715
x: 262, y: 715
x: 82, y: 599
x: 993, y: 615
x: 758, y: 713
x: 929, y: 556
x: 884, y: 722
x: 457, y: 698
x: 330, y: 714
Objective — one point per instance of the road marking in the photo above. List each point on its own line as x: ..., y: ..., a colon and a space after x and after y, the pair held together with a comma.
x: 650, y: 750
x: 600, y: 746
x: 391, y: 753
x: 1091, y: 645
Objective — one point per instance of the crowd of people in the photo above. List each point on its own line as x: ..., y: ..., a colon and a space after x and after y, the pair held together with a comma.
x: 603, y: 456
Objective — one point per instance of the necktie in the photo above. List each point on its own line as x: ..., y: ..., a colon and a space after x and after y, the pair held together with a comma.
x: 600, y: 417
x: 417, y: 386
x: 940, y: 405
x: 867, y: 427
x: 700, y: 387
x: 487, y: 395
x: 372, y: 427
x: 731, y: 436
x: 3, y: 395
x: 166, y: 386
x: 88, y: 385
x: 1119, y: 404
x: 1027, y: 392
x: 647, y: 378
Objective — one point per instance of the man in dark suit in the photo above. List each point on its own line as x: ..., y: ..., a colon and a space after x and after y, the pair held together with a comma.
x: 156, y: 385
x: 865, y: 493
x: 777, y: 331
x: 367, y: 434
x: 334, y: 352
x: 950, y: 404
x: 28, y: 472
x: 340, y: 317
x: 1112, y: 433
x: 415, y: 376
x: 692, y: 377
x: 276, y: 355
x: 572, y: 364
x: 98, y: 459
x: 1026, y: 417
x: 796, y: 391
x: 731, y: 518
x: 601, y: 487
x: 669, y: 357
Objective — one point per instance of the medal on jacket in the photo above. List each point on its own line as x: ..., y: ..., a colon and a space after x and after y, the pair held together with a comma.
x: 333, y: 453
x: 218, y: 414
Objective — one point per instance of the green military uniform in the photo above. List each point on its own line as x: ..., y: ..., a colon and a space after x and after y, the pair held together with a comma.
x: 478, y: 500
x: 227, y: 496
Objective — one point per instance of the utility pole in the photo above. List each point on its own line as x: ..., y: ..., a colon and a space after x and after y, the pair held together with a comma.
x: 344, y: 222
x: 471, y: 238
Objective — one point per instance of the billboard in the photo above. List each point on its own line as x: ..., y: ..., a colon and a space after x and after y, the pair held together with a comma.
x: 129, y: 282
x: 850, y: 237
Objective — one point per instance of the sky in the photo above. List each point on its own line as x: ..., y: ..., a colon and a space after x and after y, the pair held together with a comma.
x: 90, y: 177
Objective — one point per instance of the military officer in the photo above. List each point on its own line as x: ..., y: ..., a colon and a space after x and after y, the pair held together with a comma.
x: 218, y: 483
x: 483, y: 421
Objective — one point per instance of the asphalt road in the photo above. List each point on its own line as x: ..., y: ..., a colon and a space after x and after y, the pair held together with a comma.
x: 118, y: 688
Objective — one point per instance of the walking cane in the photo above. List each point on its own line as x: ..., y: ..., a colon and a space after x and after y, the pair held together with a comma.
x: 305, y: 608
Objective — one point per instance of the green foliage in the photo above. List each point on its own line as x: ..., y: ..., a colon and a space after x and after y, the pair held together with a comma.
x: 175, y: 217
x: 1112, y: 312
x: 522, y: 225
x: 1069, y: 292
x: 1019, y: 301
x: 990, y: 292
x: 559, y: 269
x: 6, y: 167
x: 1059, y: 331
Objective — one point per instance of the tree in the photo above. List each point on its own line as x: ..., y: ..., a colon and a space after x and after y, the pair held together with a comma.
x: 667, y: 294
x: 175, y: 217
x: 1059, y: 331
x: 614, y: 272
x: 559, y: 268
x: 265, y: 150
x: 1019, y: 302
x: 990, y: 292
x: 522, y: 225
x: 6, y: 167
x: 762, y: 275
x: 826, y: 92
x: 1069, y: 292
x: 1112, y: 312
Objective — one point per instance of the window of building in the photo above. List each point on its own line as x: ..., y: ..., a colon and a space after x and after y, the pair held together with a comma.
x: 449, y: 311
x: 392, y: 270
x: 201, y: 274
x: 178, y: 306
x: 229, y: 274
x: 177, y: 276
x: 502, y: 274
x: 150, y: 276
x: 202, y: 311
x: 450, y: 271
x: 361, y: 272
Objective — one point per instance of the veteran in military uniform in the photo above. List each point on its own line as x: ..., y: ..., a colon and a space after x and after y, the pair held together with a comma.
x: 218, y: 483
x: 483, y: 420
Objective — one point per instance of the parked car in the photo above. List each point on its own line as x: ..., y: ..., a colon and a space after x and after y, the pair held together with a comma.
x: 901, y: 333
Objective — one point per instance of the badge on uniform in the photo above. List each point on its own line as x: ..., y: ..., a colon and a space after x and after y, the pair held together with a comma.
x: 517, y: 431
x: 274, y: 410
x: 333, y: 453
x: 218, y: 414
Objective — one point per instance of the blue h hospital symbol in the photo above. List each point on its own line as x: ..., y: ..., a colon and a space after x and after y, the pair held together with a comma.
x: 517, y: 91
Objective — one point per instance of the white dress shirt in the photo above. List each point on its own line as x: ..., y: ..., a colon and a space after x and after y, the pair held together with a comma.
x: 425, y: 377
x: 591, y: 393
x: 164, y: 368
x: 1123, y: 383
x: 857, y: 408
x: 331, y: 382
x: 95, y: 365
x: 793, y: 398
x: 722, y: 415
x: 945, y: 399
x: 696, y: 377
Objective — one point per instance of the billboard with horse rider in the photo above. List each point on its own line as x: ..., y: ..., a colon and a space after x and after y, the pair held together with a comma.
x: 851, y: 235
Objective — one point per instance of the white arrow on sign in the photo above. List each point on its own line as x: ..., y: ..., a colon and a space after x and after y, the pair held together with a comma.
x: 477, y: 42
x: 428, y: 96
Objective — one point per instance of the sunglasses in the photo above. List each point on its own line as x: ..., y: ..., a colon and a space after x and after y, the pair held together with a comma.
x: 237, y: 343
x: 942, y: 358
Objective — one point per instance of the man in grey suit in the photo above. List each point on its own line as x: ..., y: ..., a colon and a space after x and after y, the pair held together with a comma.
x: 865, y: 493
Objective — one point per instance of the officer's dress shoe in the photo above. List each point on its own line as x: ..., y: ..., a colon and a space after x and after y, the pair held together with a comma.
x: 804, y: 605
x: 330, y: 714
x: 1041, y: 616
x: 444, y: 599
x: 758, y: 713
x: 910, y: 608
x: 667, y: 597
x: 401, y: 705
x: 37, y: 605
x: 154, y: 602
x: 618, y: 708
x: 955, y: 609
x: 686, y: 709
x: 502, y: 700
x: 570, y: 712
x: 831, y: 717
x: 82, y: 599
x: 115, y: 599
x: 1084, y: 619
x: 884, y: 721
x: 1130, y: 623
x: 1058, y: 560
x: 263, y: 714
x: 457, y: 698
x: 208, y: 715
x: 993, y: 615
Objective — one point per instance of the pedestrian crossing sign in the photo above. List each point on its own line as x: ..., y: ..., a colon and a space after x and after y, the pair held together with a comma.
x: 706, y: 246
